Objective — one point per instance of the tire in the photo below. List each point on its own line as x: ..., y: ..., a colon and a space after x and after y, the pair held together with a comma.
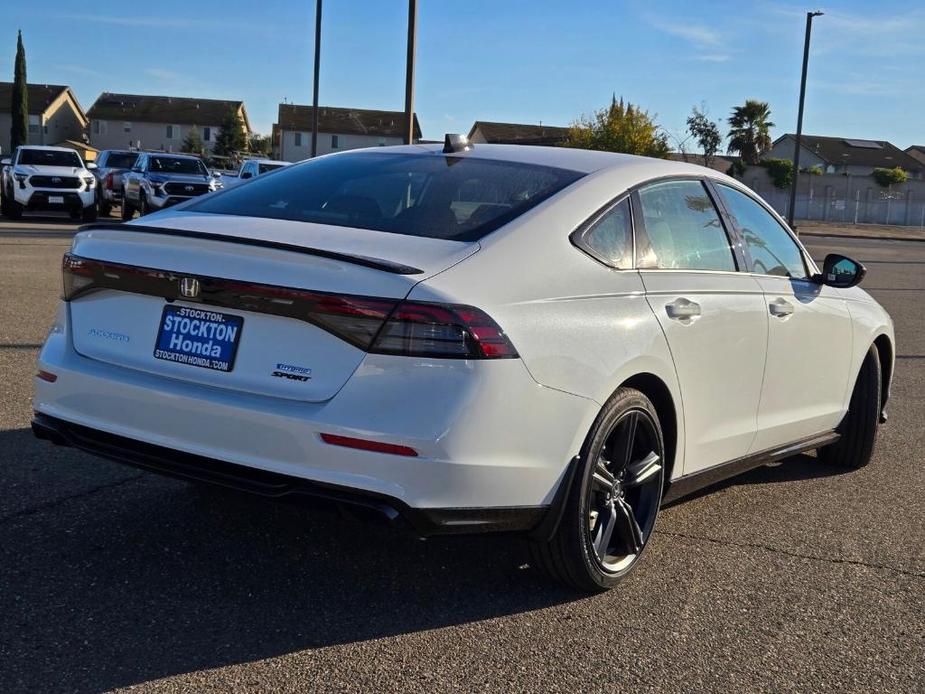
x: 103, y: 208
x: 127, y: 211
x: 13, y: 209
x: 613, y: 503
x: 75, y: 214
x: 859, y: 427
x: 89, y: 214
x: 143, y: 208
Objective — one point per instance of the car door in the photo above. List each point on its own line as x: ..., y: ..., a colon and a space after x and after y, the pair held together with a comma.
x: 132, y: 178
x: 713, y: 316
x: 808, y: 365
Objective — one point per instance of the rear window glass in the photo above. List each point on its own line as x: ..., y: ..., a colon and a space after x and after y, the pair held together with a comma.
x: 49, y: 157
x: 458, y: 198
x: 264, y: 168
x: 121, y: 160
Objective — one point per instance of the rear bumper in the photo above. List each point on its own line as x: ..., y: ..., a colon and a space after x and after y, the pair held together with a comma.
x: 174, y: 463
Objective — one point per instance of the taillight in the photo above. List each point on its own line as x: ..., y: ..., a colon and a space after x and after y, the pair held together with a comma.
x: 373, y: 324
x: 444, y: 331
x: 109, y: 181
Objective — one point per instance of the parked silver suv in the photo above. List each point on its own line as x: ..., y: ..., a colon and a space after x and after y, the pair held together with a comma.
x: 158, y: 181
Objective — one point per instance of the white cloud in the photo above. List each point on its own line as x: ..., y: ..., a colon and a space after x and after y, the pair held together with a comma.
x: 696, y: 34
x: 713, y: 57
x: 160, y: 73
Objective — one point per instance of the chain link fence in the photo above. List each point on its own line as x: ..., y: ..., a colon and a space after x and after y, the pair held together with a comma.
x: 844, y: 199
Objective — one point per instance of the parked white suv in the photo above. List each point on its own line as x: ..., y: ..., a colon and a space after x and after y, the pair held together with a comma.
x: 48, y: 178
x: 483, y: 338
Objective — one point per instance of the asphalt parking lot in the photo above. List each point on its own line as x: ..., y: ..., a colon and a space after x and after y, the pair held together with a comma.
x: 793, y: 577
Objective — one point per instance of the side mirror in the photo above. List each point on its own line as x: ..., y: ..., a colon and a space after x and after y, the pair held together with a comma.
x: 246, y: 174
x: 5, y: 162
x: 216, y: 174
x: 90, y: 166
x: 841, y: 271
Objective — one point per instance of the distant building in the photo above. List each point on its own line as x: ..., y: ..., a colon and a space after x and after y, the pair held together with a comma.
x: 517, y: 133
x: 917, y: 152
x: 54, y: 115
x: 338, y: 129
x: 118, y: 121
x: 846, y: 156
x: 720, y: 162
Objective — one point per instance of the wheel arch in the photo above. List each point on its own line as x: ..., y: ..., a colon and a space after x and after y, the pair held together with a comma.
x: 885, y: 353
x: 659, y: 393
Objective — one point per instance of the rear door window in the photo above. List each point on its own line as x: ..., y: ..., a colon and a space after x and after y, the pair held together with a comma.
x: 683, y: 229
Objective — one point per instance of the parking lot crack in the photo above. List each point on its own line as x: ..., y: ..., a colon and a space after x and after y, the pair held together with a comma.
x: 38, y: 508
x: 797, y: 555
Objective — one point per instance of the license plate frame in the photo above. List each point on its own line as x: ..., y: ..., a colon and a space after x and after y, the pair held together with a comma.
x: 193, y: 343
x: 55, y: 199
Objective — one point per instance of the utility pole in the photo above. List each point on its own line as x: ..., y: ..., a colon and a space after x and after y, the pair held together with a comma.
x: 409, y: 72
x: 796, y: 147
x: 315, y: 85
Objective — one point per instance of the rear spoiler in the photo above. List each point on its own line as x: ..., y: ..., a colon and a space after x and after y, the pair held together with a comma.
x: 365, y: 261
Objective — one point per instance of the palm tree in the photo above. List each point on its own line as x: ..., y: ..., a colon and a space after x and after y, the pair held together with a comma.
x: 748, y: 130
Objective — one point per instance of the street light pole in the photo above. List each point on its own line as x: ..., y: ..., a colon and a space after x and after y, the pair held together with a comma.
x: 315, y: 84
x: 409, y: 72
x: 796, y: 147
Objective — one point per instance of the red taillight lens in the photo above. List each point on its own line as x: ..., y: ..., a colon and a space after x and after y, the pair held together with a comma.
x: 77, y: 275
x: 367, y: 445
x: 109, y: 181
x: 47, y: 376
x: 444, y: 331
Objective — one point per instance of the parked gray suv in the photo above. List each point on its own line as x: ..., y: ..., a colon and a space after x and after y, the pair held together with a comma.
x: 111, y: 165
x: 158, y: 181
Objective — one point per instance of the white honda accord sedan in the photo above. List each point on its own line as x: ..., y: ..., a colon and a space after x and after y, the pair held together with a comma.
x: 468, y: 338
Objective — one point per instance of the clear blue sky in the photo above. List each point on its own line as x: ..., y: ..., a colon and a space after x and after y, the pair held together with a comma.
x: 502, y: 60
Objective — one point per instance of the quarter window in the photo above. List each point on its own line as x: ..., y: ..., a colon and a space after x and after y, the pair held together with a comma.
x: 610, y: 238
x: 683, y: 228
x: 771, y: 248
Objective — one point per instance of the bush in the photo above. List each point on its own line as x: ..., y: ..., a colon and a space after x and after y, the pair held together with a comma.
x: 736, y: 168
x: 888, y: 177
x: 814, y: 170
x: 780, y: 171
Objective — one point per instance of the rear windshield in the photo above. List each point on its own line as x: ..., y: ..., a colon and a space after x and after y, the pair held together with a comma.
x: 121, y: 160
x: 49, y: 157
x: 177, y: 166
x: 459, y: 198
x: 264, y: 168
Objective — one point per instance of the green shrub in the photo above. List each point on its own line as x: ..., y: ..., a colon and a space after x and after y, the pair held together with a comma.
x: 780, y: 171
x: 888, y: 177
x: 736, y: 168
x: 814, y: 170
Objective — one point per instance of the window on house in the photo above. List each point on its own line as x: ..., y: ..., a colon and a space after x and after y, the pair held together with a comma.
x: 333, y: 141
x: 382, y: 142
x: 206, y: 134
x: 127, y: 127
x: 99, y: 127
x: 35, y: 123
x: 298, y: 139
x: 173, y: 132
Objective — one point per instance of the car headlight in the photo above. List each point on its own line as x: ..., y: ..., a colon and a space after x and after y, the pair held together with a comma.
x: 89, y: 181
x: 21, y: 177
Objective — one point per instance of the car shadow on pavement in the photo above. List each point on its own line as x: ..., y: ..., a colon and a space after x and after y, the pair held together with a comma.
x: 125, y: 577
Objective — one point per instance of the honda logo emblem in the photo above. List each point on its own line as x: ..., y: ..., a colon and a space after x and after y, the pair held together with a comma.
x: 189, y: 189
x: 189, y: 287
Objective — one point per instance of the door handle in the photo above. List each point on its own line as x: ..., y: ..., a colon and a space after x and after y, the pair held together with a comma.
x: 780, y: 308
x: 683, y: 309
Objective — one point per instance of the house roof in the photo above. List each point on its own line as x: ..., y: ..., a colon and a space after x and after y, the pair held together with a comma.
x: 180, y: 110
x: 74, y: 144
x: 41, y: 96
x: 847, y: 151
x: 346, y: 121
x: 519, y: 133
x: 917, y: 152
x: 720, y: 162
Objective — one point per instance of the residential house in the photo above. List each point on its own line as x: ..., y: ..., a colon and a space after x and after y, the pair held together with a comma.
x: 54, y: 115
x: 917, y: 152
x: 517, y: 133
x: 119, y: 121
x: 719, y: 162
x: 338, y: 129
x: 846, y: 156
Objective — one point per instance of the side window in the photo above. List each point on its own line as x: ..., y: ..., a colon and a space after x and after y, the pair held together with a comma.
x: 772, y: 249
x: 610, y: 238
x: 683, y: 228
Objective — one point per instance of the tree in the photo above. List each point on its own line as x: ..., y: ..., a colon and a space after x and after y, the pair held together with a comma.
x: 231, y: 136
x: 889, y: 177
x: 259, y: 144
x: 705, y: 132
x: 193, y: 143
x: 19, y: 131
x: 620, y: 127
x: 748, y: 130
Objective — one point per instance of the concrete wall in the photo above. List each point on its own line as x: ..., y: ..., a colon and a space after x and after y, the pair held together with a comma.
x: 844, y: 199
x: 151, y: 135
x: 289, y: 151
